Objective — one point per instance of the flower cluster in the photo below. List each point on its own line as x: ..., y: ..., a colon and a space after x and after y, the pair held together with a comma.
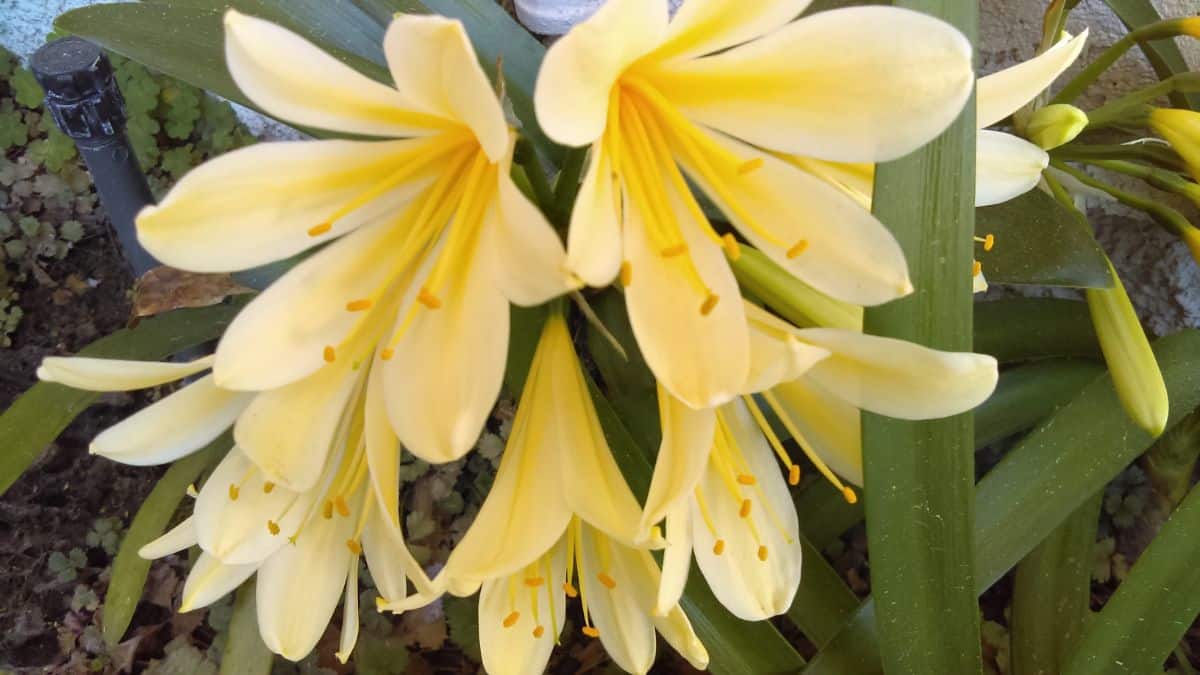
x: 393, y: 331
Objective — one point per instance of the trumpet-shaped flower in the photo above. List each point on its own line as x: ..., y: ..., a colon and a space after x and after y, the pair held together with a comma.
x: 710, y: 96
x: 716, y: 485
x: 428, y: 237
x: 1180, y: 128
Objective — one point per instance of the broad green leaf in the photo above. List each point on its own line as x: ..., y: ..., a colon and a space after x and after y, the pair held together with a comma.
x: 919, y: 476
x: 525, y: 328
x: 39, y: 415
x: 1171, y: 463
x: 1051, y: 594
x: 1028, y: 394
x: 1153, y: 608
x: 825, y: 514
x: 823, y: 603
x: 245, y: 653
x: 1163, y: 55
x: 1046, y: 477
x: 129, y: 570
x: 1040, y: 242
x: 1020, y: 329
x: 628, y: 384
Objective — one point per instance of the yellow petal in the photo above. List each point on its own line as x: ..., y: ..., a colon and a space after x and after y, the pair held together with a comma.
x: 257, y: 204
x: 677, y: 557
x: 801, y: 90
x: 678, y: 632
x: 1005, y: 167
x: 979, y: 284
x: 438, y: 405
x: 579, y: 71
x: 702, y: 359
x: 594, y: 239
x: 856, y: 180
x: 292, y: 79
x: 235, y: 531
x: 844, y: 251
x: 830, y: 425
x: 687, y: 437
x: 592, y: 483
x: 1181, y: 128
x: 349, y: 614
x: 899, y: 378
x: 173, y: 427
x: 531, y: 266
x: 513, y: 649
x: 1001, y: 94
x: 210, y: 580
x: 435, y: 68
x: 390, y: 561
x: 289, y: 432
x: 700, y: 28
x: 751, y: 588
x: 115, y: 374
x: 382, y: 449
x: 300, y: 585
x: 776, y: 354
x: 178, y: 538
x: 621, y: 613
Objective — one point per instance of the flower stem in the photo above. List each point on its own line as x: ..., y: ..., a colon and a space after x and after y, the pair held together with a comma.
x: 1170, y: 219
x: 1132, y: 107
x: 1155, y: 31
x: 1150, y: 153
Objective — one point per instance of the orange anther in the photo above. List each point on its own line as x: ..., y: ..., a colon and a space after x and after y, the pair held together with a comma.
x: 762, y: 553
x: 709, y: 303
x: 511, y: 619
x: 534, y: 582
x: 731, y: 246
x: 327, y: 510
x: 359, y: 305
x: 342, y: 507
x: 848, y: 493
x: 794, y: 474
x: 233, y: 492
x: 318, y: 230
x: 745, y: 510
x: 268, y: 486
x: 626, y: 273
x: 608, y: 581
x: 428, y: 299
x: 676, y: 250
x: 272, y: 527
x: 746, y: 479
x: 539, y: 631
x: 570, y: 590
x: 800, y: 247
x: 591, y: 632
x: 329, y: 354
x: 749, y: 165
x: 387, y: 353
x: 719, y: 547
x: 354, y: 546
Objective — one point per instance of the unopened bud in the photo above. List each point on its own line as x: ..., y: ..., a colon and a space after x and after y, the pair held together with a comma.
x: 1056, y: 125
x: 1180, y: 128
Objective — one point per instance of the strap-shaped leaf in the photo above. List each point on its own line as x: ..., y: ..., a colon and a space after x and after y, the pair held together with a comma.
x: 245, y: 653
x: 1020, y: 329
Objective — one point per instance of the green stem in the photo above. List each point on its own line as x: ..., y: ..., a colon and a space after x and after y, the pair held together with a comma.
x: 1150, y: 153
x: 1167, y: 181
x: 1154, y: 31
x: 1133, y: 107
x: 566, y: 186
x: 793, y: 299
x: 1170, y: 219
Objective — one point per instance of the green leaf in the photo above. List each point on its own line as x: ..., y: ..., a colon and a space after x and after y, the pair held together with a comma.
x: 1028, y: 394
x: 1153, y: 608
x: 1164, y: 55
x: 825, y: 514
x: 1046, y: 477
x: 40, y: 414
x: 245, y: 653
x: 1052, y: 593
x: 129, y: 569
x: 1038, y: 241
x: 1020, y: 329
x: 823, y: 603
x: 919, y: 476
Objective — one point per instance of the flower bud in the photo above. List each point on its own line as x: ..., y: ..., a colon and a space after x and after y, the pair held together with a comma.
x: 1180, y: 128
x: 1056, y: 125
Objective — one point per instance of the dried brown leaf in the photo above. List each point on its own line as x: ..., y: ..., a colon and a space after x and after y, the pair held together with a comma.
x: 163, y: 289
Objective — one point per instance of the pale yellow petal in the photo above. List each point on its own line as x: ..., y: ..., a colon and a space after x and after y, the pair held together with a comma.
x: 1005, y: 167
x: 979, y: 284
x: 701, y: 28
x: 687, y: 438
x: 210, y: 580
x: 677, y: 630
x: 92, y: 374
x: 173, y: 427
x: 677, y: 557
x: 1180, y: 128
x: 258, y: 204
x: 810, y: 228
x: 594, y: 239
x: 776, y: 354
x: 435, y: 68
x: 579, y: 71
x: 178, y: 538
x: 621, y: 613
x: 390, y: 561
x: 830, y: 425
x: 292, y: 79
x: 1003, y: 93
x: 383, y: 450
x: 856, y: 180
x: 289, y: 432
x: 702, y: 359
x: 508, y: 644
x: 898, y: 378
x: 350, y: 626
x: 448, y: 367
x: 860, y: 84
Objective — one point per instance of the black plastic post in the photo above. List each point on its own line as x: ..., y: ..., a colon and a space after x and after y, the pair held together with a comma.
x: 83, y: 98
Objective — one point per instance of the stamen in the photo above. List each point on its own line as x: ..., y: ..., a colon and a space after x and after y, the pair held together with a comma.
x: 272, y: 527
x: 626, y: 274
x: 709, y: 303
x: 428, y: 299
x: 329, y: 354
x: 233, y: 492
x: 800, y: 247
x: 794, y: 475
x: 762, y: 553
x: 976, y: 268
x: 570, y: 590
x: 731, y: 246
x: 327, y: 510
x: 802, y: 441
x: 354, y: 546
x: 359, y: 305
x: 608, y: 581
x: 988, y: 241
x: 673, y: 251
x: 268, y: 486
x: 744, y: 512
x: 342, y: 507
x: 719, y: 547
x: 318, y: 230
x: 749, y: 166
x: 539, y: 631
x: 746, y: 479
x: 534, y: 582
x: 511, y: 619
x: 387, y: 353
x: 848, y: 493
x: 591, y: 631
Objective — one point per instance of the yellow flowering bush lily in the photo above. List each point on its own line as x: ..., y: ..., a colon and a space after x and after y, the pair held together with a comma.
x: 710, y: 96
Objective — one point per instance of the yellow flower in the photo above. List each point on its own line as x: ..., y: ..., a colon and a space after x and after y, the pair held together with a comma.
x: 711, y: 95
x: 715, y: 483
x: 428, y: 237
x: 1180, y: 128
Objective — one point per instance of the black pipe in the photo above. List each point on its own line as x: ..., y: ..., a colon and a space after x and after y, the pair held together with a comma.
x: 83, y: 99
